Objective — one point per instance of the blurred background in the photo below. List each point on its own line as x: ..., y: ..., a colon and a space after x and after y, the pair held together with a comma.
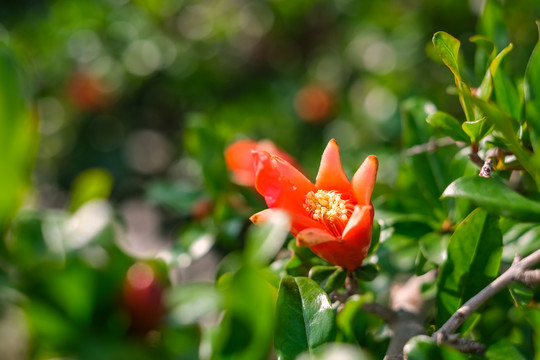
x: 129, y: 106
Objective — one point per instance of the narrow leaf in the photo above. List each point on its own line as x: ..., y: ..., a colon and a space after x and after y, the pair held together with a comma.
x: 495, y: 197
x: 305, y: 319
x: 447, y: 47
x: 474, y: 256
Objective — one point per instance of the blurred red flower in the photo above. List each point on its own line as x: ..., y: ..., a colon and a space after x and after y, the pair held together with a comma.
x: 334, y: 216
x: 239, y: 159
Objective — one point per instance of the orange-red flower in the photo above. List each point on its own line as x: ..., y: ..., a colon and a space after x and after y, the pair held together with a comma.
x: 239, y: 159
x: 334, y: 216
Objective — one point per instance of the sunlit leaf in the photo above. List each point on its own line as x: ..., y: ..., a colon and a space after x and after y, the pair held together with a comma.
x: 474, y: 256
x: 89, y: 185
x: 305, y: 319
x: 495, y: 197
x: 447, y: 47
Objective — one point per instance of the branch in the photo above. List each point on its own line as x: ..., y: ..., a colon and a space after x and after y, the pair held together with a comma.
x: 431, y: 146
x: 519, y: 271
x: 409, y: 307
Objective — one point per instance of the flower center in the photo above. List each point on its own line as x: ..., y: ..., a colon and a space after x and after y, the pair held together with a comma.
x: 330, y: 209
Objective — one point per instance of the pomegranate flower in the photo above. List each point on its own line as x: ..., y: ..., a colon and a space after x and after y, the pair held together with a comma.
x: 334, y: 216
x: 240, y: 161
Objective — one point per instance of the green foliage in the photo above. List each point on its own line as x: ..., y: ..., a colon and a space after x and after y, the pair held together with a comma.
x: 305, y: 319
x: 474, y: 256
x: 123, y: 235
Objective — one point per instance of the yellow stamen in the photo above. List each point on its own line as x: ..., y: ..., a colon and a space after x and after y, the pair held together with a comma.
x: 330, y: 209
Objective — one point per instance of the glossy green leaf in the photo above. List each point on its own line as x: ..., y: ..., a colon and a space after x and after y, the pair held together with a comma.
x: 367, y: 272
x: 447, y: 47
x: 532, y: 94
x: 447, y: 125
x: 495, y: 197
x: 474, y: 256
x: 305, y: 319
x: 329, y: 278
x: 423, y: 347
x: 89, y: 185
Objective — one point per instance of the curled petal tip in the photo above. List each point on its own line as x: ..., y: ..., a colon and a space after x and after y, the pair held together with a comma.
x: 364, y: 179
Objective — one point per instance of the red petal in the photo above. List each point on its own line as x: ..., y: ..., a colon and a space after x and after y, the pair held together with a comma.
x: 280, y: 183
x: 240, y: 161
x: 363, y: 180
x: 313, y: 236
x: 331, y: 175
x: 350, y: 252
x: 360, y: 225
x: 261, y: 216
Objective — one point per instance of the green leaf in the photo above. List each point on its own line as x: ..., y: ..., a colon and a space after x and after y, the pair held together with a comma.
x: 375, y: 239
x: 507, y: 127
x: 245, y: 332
x: 477, y: 129
x: 521, y: 294
x: 302, y: 261
x: 88, y: 185
x: 448, y: 125
x: 532, y: 94
x: 474, y: 256
x: 506, y: 92
x: 423, y: 347
x: 180, y: 196
x: 492, y: 24
x: 503, y: 350
x: 430, y: 176
x: 495, y: 197
x: 367, y: 272
x: 433, y: 246
x: 329, y: 278
x: 305, y: 319
x: 447, y: 47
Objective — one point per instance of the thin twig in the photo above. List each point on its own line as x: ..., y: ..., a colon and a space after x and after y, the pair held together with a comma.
x: 516, y: 272
x: 463, y: 345
x: 431, y: 146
